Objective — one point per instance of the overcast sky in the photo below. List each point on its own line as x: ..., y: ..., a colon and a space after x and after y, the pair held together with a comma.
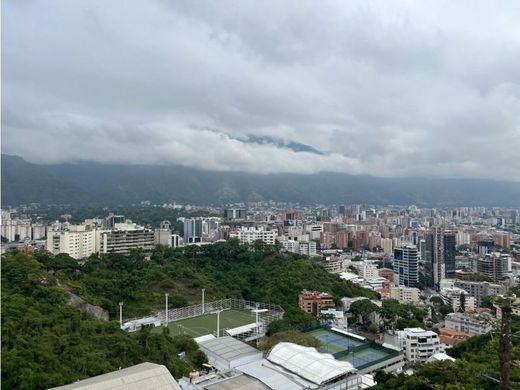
x: 387, y: 88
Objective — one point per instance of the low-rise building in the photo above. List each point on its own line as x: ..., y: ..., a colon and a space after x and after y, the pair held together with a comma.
x: 248, y: 235
x: 419, y: 344
x: 473, y: 324
x: 450, y: 337
x: 314, y: 301
x: 409, y: 295
x: 125, y: 237
x: 479, y: 290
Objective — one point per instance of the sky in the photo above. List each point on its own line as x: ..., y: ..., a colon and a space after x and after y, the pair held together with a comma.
x: 391, y: 89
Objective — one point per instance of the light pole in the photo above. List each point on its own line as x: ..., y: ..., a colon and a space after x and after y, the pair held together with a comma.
x: 218, y: 324
x: 166, y: 295
x: 120, y: 313
x: 203, y: 309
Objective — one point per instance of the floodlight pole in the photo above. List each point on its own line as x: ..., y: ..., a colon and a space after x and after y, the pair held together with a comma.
x: 218, y: 324
x: 166, y: 295
x: 120, y: 313
x: 203, y: 291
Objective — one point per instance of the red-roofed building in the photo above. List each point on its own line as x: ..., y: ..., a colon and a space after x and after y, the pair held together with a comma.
x: 314, y: 301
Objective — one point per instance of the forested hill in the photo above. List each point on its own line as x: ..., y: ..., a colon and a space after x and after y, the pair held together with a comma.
x: 46, y: 343
x: 90, y: 183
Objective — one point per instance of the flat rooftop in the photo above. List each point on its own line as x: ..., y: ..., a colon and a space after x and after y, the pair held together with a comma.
x: 228, y: 348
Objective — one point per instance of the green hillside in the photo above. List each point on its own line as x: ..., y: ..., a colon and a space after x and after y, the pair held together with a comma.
x: 46, y: 343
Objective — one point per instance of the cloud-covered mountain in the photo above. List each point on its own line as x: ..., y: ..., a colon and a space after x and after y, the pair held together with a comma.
x: 383, y: 88
x: 109, y: 184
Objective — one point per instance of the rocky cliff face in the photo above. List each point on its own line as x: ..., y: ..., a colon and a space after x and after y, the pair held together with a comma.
x: 79, y: 303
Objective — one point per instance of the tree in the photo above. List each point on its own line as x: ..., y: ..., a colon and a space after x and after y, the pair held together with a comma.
x: 364, y: 309
x: 289, y: 336
x: 462, y: 301
x: 445, y: 310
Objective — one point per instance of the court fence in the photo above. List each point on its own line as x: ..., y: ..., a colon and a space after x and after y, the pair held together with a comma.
x: 269, y: 312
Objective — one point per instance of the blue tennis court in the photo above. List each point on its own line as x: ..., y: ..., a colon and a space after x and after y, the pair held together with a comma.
x: 333, y: 342
x: 365, y: 356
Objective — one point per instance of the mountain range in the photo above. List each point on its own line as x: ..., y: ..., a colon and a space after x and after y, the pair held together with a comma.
x: 99, y: 184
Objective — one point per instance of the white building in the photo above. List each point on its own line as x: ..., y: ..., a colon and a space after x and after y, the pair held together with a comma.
x: 387, y: 246
x: 366, y: 270
x: 163, y: 237
x: 468, y: 323
x: 250, y: 235
x: 419, y: 344
x: 78, y: 241
x: 301, y: 247
x: 125, y: 237
x: 408, y: 295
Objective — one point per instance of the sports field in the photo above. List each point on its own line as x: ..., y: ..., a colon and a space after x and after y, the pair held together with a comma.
x: 333, y: 342
x: 365, y: 356
x: 206, y: 324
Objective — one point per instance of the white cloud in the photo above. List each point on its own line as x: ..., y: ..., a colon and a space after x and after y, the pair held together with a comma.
x: 407, y: 88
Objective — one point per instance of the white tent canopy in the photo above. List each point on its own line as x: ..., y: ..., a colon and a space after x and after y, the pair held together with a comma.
x: 308, y: 363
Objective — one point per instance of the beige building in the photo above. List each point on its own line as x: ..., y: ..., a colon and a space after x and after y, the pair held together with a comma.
x: 405, y: 294
x: 78, y: 241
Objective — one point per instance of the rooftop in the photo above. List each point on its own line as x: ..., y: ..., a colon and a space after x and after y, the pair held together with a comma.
x: 144, y: 376
x: 228, y: 348
x: 308, y: 363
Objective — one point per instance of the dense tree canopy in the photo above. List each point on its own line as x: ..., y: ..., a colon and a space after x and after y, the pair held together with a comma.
x: 47, y: 343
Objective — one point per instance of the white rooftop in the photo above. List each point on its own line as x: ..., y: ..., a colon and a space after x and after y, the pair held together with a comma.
x: 439, y: 356
x: 308, y: 363
x: 144, y: 376
x: 243, y: 329
x: 228, y: 348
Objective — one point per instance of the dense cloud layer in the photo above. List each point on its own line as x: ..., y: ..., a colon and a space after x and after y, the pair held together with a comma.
x: 378, y: 87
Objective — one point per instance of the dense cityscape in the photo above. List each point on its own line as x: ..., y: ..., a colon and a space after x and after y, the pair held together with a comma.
x: 435, y: 274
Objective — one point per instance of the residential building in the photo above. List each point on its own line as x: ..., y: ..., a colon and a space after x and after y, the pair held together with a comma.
x: 125, y: 237
x: 474, y: 324
x: 419, y: 344
x: 479, y: 290
x: 163, y: 237
x: 366, y: 270
x: 493, y: 266
x: 78, y: 241
x: 387, y: 273
x: 406, y: 265
x: 407, y: 295
x: 314, y: 301
x: 387, y: 246
x: 249, y: 235
x: 439, y: 256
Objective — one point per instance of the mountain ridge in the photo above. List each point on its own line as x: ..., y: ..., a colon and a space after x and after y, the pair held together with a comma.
x: 109, y: 184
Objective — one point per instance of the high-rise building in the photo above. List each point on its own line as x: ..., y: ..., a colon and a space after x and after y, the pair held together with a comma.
x: 493, y: 266
x: 406, y: 265
x: 342, y: 239
x: 449, y: 255
x: 439, y: 256
x: 386, y: 245
x: 234, y: 214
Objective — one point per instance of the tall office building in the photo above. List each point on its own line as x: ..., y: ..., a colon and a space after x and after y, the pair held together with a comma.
x: 439, y: 256
x: 406, y: 266
x: 449, y: 255
x: 234, y: 214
